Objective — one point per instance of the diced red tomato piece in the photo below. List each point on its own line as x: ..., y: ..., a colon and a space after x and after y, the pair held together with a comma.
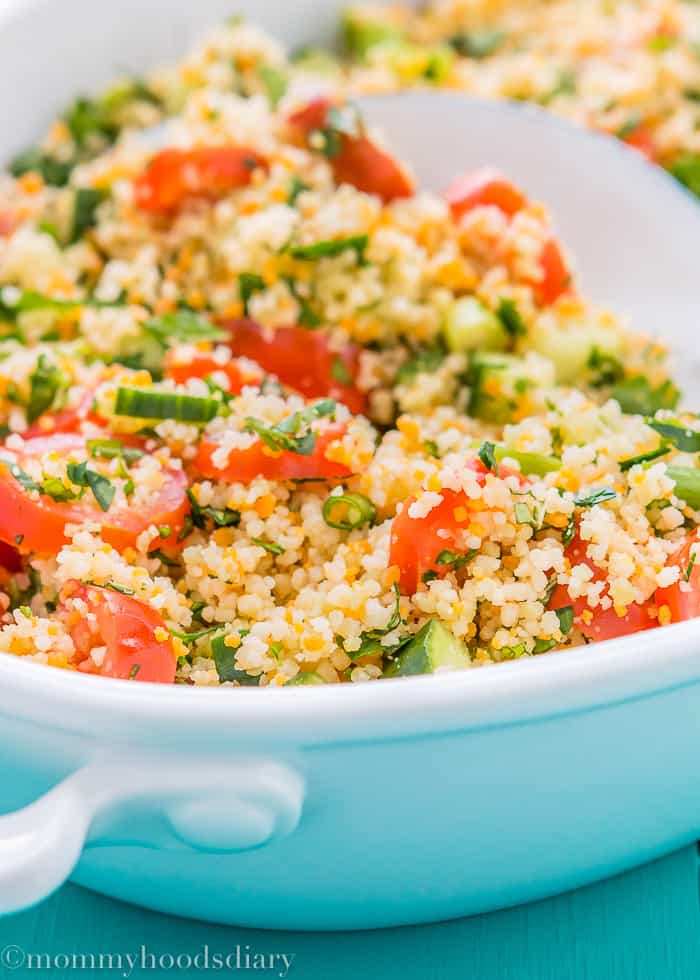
x: 204, y: 365
x: 138, y: 644
x: 302, y: 359
x: 174, y: 176
x: 36, y: 523
x: 641, y: 139
x: 481, y: 188
x: 10, y: 558
x: 556, y: 277
x: 359, y: 162
x: 9, y: 222
x: 416, y: 542
x: 682, y: 599
x: 258, y: 459
x: 597, y: 623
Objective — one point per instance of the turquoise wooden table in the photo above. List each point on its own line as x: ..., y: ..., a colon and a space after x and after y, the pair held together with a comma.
x: 643, y: 925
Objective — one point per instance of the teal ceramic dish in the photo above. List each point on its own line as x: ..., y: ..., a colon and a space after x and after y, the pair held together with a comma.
x: 409, y: 800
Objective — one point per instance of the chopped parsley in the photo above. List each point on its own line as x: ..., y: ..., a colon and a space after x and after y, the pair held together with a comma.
x: 181, y: 327
x: 249, y: 283
x: 103, y: 490
x: 271, y: 546
x: 331, y: 247
x: 509, y: 315
x: 296, y: 187
x: 285, y: 435
x: 487, y: 456
x: 219, y: 516
x: 565, y: 615
x: 44, y: 384
x: 597, y: 497
x: 687, y: 440
x: 339, y: 371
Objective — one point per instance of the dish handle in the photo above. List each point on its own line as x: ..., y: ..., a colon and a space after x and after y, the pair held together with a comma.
x: 211, y: 807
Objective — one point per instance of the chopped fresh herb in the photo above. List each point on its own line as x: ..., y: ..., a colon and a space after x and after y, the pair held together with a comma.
x: 543, y: 646
x: 549, y: 590
x: 487, y: 457
x: 184, y: 326
x: 284, y: 436
x: 274, y: 549
x: 629, y: 126
x: 52, y: 171
x: 296, y: 187
x: 224, y: 658
x: 248, y: 284
x: 424, y: 361
x: 627, y: 464
x: 103, y: 490
x: 478, y: 44
x: 146, y: 403
x: 28, y: 482
x: 85, y: 204
x: 340, y: 121
x: 307, y: 315
x: 339, y: 371
x: 569, y: 531
x: 565, y: 615
x: 331, y: 247
x: 509, y: 315
x: 453, y: 560
x: 134, y: 671
x: 349, y: 511
x: 124, y: 589
x: 597, y: 497
x: 19, y: 538
x: 430, y: 448
x: 164, y: 530
x: 87, y: 118
x: 687, y: 440
x: 686, y: 169
x: 689, y: 567
x: 606, y: 369
x: 52, y: 486
x: 220, y: 517
x: 198, y: 634
x: 44, y: 383
x: 636, y: 396
x: 274, y: 82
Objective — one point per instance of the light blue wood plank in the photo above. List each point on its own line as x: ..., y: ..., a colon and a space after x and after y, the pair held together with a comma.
x: 643, y: 925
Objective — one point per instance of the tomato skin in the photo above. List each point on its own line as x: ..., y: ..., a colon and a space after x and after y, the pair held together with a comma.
x: 126, y: 627
x: 203, y: 366
x: 301, y: 359
x: 42, y: 521
x: 9, y: 222
x: 417, y: 542
x: 556, y: 278
x: 641, y: 140
x: 604, y: 624
x: 174, y: 176
x: 484, y: 187
x: 10, y: 558
x: 681, y: 604
x: 245, y: 465
x: 359, y: 162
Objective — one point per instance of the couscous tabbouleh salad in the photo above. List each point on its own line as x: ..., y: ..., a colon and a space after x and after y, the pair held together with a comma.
x: 630, y: 68
x: 274, y: 416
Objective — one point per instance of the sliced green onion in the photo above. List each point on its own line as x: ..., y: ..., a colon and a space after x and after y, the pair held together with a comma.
x: 349, y: 511
x: 627, y: 464
x: 274, y: 549
x: 144, y: 403
x: 114, y: 449
x: 304, y: 677
x: 331, y: 248
x: 191, y: 637
x: 487, y: 456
